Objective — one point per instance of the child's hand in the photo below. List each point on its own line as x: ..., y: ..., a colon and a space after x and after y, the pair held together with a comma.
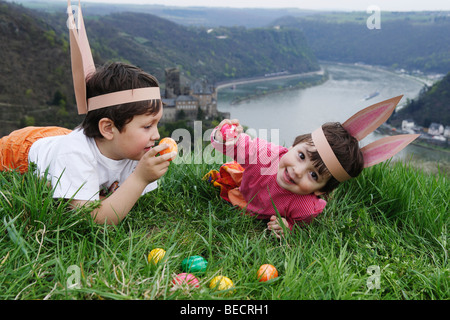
x: 232, y: 139
x: 150, y: 167
x: 275, y: 227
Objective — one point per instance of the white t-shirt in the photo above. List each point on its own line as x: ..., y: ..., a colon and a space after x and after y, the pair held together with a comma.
x: 77, y: 169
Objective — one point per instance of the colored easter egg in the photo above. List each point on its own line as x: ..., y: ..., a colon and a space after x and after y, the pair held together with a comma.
x: 186, y: 278
x: 267, y: 272
x: 221, y: 283
x: 228, y: 131
x: 172, y: 146
x: 194, y: 264
x: 156, y: 255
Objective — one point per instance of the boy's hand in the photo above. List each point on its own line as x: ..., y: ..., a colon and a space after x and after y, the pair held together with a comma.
x: 151, y: 167
x: 218, y: 135
x: 275, y: 227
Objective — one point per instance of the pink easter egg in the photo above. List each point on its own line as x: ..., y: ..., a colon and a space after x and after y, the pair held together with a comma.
x: 228, y: 131
x: 186, y: 278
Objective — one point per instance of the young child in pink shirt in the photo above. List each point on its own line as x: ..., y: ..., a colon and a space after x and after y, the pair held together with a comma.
x: 271, y: 179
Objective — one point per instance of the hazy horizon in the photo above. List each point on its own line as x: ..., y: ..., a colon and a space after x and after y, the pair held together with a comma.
x: 344, y: 5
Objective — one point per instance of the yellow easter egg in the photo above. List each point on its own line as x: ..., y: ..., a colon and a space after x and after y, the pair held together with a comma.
x: 156, y: 255
x: 221, y: 283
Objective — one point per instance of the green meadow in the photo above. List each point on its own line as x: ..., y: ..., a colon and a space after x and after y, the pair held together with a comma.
x: 382, y: 236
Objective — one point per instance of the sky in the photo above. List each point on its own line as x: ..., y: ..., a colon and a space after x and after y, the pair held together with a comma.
x: 347, y: 5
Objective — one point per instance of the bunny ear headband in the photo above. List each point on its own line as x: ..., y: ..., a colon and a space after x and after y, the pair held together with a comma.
x: 359, y: 126
x: 83, y: 67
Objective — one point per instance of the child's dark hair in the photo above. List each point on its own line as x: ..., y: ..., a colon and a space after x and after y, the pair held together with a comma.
x: 345, y: 147
x: 113, y: 77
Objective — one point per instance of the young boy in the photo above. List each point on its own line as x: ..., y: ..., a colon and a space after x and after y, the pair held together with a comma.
x: 268, y: 178
x: 112, y: 150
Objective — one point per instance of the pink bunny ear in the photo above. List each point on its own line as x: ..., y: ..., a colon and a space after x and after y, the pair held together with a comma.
x: 385, y: 148
x: 81, y: 57
x: 367, y: 120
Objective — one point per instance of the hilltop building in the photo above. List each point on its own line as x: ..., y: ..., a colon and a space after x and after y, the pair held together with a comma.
x: 185, y: 100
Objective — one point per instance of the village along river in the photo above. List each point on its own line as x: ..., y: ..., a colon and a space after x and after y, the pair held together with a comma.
x: 280, y: 117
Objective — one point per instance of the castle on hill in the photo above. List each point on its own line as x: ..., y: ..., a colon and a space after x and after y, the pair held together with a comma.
x: 185, y: 100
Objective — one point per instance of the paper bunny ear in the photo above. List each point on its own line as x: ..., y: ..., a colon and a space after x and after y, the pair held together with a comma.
x: 81, y: 57
x: 385, y: 148
x: 83, y: 67
x: 359, y: 126
x: 367, y: 120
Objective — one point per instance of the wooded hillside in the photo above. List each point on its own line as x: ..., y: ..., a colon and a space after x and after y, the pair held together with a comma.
x: 409, y: 41
x: 35, y: 77
x: 432, y: 105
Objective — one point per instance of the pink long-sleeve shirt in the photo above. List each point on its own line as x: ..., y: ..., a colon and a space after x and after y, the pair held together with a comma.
x: 259, y: 185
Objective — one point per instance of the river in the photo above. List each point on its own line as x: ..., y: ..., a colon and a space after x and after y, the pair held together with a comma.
x: 281, y: 116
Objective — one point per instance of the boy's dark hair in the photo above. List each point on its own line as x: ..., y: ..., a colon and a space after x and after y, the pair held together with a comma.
x: 113, y: 77
x: 345, y: 147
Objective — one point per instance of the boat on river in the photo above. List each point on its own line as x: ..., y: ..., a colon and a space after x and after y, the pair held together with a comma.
x: 372, y: 95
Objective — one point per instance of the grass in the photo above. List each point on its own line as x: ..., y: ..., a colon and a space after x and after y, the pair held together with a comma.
x: 393, y: 217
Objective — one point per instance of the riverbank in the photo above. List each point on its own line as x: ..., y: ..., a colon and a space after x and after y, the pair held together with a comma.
x: 425, y: 79
x: 244, y: 90
x: 223, y: 85
x: 421, y: 146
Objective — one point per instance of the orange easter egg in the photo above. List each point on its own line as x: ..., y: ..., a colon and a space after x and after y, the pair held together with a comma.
x: 267, y: 272
x: 172, y: 146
